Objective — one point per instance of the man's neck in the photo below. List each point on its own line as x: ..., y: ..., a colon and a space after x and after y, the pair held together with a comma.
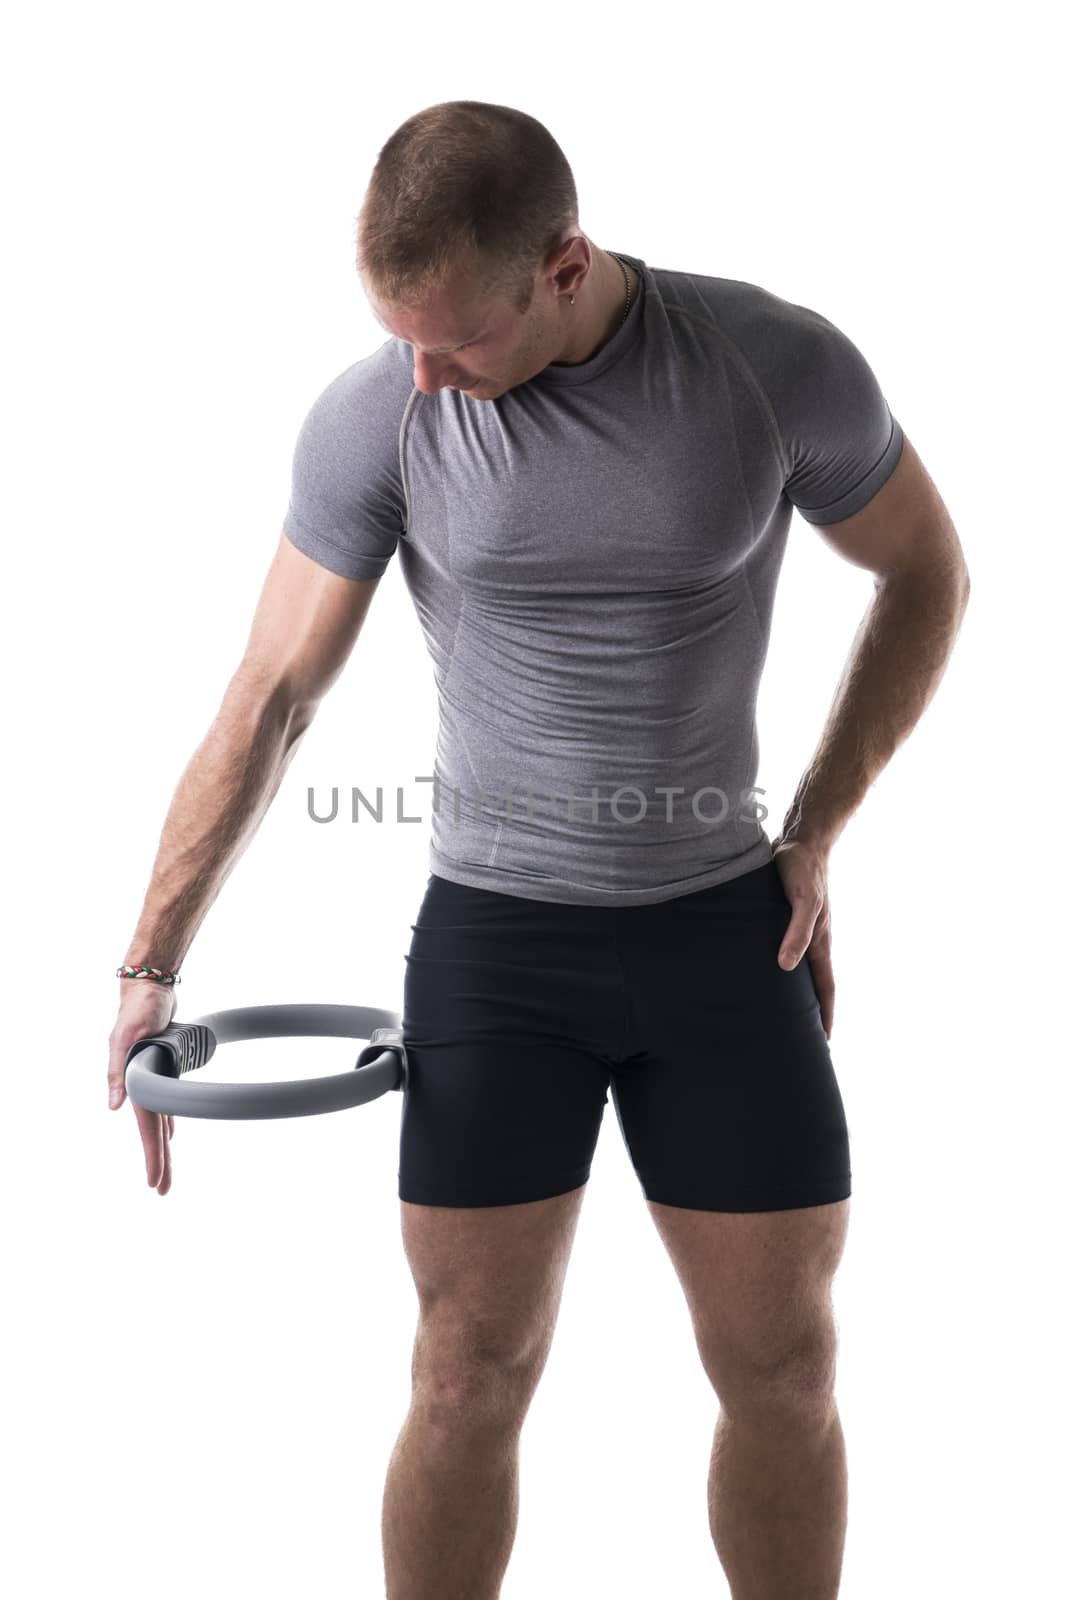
x: 608, y: 280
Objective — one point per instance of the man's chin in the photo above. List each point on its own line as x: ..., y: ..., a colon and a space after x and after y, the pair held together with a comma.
x: 488, y: 389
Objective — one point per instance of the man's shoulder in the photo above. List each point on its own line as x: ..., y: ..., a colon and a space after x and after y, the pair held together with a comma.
x: 737, y: 307
x: 383, y: 372
x: 367, y: 397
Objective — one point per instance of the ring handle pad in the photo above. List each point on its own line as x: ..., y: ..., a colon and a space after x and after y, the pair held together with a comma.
x: 385, y: 1039
x: 188, y: 1045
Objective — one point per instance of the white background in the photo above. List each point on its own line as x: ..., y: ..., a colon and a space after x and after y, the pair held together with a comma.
x: 202, y: 1390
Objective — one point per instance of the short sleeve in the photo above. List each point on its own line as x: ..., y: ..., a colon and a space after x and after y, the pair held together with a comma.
x: 347, y: 507
x: 841, y: 440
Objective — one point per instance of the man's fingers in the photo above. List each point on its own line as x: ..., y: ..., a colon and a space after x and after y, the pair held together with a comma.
x: 803, y: 879
x: 116, y: 1077
x: 798, y: 934
x: 152, y: 1138
x: 165, y: 1180
x: 822, y: 976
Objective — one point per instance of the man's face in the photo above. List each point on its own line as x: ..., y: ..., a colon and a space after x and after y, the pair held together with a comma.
x: 461, y: 340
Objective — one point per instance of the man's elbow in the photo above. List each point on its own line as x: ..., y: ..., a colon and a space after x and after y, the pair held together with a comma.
x: 270, y: 699
x: 940, y: 577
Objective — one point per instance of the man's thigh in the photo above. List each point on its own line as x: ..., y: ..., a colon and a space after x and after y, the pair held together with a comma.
x: 758, y: 1287
x: 731, y: 1111
x: 727, y: 1099
x: 509, y: 1006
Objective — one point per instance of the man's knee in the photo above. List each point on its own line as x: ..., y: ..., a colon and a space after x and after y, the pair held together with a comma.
x: 461, y: 1379
x: 797, y: 1376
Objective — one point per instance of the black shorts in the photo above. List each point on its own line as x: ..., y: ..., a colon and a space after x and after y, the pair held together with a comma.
x: 520, y: 1014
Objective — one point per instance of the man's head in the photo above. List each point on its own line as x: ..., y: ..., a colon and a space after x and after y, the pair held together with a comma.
x: 469, y: 251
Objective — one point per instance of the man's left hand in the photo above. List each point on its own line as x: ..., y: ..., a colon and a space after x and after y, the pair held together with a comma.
x: 803, y: 870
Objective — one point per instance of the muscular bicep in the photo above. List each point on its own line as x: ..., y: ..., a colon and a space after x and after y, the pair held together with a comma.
x: 307, y: 620
x: 904, y: 528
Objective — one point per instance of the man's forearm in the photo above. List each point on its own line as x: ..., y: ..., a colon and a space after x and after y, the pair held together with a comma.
x: 896, y: 662
x: 219, y: 803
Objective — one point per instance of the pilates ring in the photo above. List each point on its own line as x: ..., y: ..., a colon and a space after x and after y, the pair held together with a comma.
x: 161, y: 1068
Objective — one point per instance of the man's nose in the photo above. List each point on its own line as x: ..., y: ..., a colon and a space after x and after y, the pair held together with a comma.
x: 431, y: 381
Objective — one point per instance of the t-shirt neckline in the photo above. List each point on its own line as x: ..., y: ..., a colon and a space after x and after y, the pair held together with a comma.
x: 617, y: 345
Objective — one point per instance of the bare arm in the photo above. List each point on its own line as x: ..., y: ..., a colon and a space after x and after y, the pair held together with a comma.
x: 306, y: 623
x: 906, y: 538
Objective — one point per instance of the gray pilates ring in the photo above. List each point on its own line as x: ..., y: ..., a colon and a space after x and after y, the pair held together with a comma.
x: 160, y: 1067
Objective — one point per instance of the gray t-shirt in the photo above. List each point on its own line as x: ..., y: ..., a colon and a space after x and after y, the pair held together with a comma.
x: 593, y: 559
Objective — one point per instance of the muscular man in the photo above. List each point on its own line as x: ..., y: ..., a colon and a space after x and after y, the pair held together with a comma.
x: 587, y: 468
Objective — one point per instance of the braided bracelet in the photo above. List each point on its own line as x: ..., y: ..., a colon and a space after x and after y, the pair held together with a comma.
x: 157, y: 974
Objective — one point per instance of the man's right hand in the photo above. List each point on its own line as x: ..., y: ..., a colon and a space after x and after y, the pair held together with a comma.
x: 146, y: 1007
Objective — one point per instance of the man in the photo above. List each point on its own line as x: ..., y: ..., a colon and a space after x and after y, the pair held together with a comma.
x: 589, y: 483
